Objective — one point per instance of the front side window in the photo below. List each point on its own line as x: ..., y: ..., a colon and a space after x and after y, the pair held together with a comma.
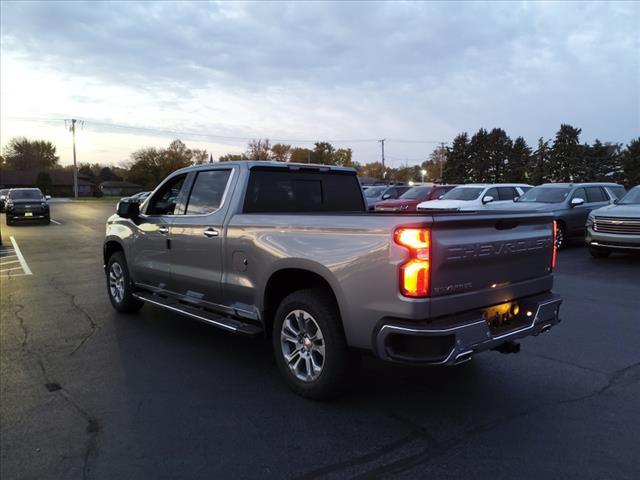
x: 207, y: 192
x: 507, y: 193
x: 165, y: 200
x: 373, y: 192
x: 463, y: 193
x: 544, y: 194
x: 579, y: 193
x: 492, y: 192
x: 596, y: 194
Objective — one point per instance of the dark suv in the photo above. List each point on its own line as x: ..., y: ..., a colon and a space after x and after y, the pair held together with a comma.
x: 569, y: 202
x: 26, y: 204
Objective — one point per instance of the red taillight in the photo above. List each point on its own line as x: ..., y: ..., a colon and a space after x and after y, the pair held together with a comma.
x: 414, y: 275
x: 554, y: 255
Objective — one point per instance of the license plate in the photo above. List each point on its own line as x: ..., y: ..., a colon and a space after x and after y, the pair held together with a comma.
x: 28, y: 214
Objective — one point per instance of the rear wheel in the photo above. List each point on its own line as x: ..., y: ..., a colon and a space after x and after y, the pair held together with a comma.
x: 120, y: 286
x: 599, y: 252
x: 309, y: 345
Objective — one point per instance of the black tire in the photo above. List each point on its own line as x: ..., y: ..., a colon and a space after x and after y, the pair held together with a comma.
x: 47, y: 221
x: 9, y: 221
x: 561, y: 236
x: 599, y: 252
x: 336, y: 362
x: 127, y: 303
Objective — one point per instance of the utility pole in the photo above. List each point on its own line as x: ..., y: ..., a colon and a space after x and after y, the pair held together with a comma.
x: 75, y: 164
x: 382, y: 144
x: 442, y: 160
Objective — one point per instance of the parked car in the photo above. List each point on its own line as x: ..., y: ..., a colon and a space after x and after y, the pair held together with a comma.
x: 409, y: 200
x: 476, y: 196
x: 289, y: 251
x: 26, y: 204
x: 378, y: 193
x: 615, y: 227
x: 570, y: 203
x: 3, y: 197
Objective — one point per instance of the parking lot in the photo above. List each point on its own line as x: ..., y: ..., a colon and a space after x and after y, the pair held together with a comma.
x: 90, y: 393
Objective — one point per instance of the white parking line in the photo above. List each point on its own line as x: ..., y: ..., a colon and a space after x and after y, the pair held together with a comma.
x: 23, y: 262
x: 2, y: 264
x: 55, y: 221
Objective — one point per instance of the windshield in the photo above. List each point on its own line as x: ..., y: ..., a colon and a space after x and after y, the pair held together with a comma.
x: 545, y: 195
x: 373, y: 192
x: 25, y: 195
x: 463, y: 193
x: 632, y: 197
x: 415, y: 193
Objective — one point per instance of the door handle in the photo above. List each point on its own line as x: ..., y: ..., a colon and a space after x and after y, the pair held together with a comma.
x: 163, y: 230
x: 210, y: 232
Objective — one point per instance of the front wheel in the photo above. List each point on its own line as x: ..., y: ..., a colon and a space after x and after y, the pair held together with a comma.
x: 599, y: 252
x: 309, y: 345
x: 120, y: 286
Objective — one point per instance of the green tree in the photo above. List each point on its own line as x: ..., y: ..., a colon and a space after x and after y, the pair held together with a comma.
x: 566, y: 154
x: 323, y: 153
x: 24, y: 154
x: 343, y: 157
x: 43, y: 182
x: 630, y: 160
x: 232, y: 157
x: 479, y: 162
x: 149, y: 166
x: 373, y: 169
x: 456, y: 165
x: 280, y: 152
x: 300, y: 155
x: 259, y: 150
x: 540, y: 160
x: 107, y: 175
x: 600, y: 162
x: 518, y: 166
x: 499, y: 147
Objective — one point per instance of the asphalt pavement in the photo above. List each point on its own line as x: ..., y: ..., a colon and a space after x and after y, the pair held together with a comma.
x: 86, y: 392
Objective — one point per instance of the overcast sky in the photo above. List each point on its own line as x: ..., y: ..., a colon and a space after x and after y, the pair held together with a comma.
x: 350, y: 73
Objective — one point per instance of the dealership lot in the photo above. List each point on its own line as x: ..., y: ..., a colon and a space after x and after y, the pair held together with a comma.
x: 90, y: 393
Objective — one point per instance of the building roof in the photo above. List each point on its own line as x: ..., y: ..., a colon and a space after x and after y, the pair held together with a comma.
x: 119, y: 184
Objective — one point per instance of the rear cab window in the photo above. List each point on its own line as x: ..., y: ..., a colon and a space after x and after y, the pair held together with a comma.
x: 280, y: 190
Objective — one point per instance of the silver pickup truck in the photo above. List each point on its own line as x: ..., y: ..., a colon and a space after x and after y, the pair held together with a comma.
x: 289, y: 252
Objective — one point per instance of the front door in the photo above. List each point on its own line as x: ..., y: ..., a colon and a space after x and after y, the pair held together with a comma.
x: 197, y: 237
x: 150, y: 262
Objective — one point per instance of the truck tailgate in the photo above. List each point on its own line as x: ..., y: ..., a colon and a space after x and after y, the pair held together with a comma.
x: 473, y: 255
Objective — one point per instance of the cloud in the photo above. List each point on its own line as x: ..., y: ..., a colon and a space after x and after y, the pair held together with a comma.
x: 341, y: 70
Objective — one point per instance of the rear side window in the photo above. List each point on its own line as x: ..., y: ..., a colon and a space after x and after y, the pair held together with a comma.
x: 507, y: 193
x: 596, y: 194
x: 208, y: 189
x: 281, y: 191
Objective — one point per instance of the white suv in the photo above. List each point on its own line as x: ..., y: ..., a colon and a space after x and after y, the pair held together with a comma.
x: 475, y: 196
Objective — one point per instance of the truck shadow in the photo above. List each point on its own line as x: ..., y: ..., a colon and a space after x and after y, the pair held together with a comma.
x: 214, y: 400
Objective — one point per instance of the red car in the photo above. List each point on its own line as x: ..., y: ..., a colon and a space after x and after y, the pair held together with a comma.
x: 409, y: 200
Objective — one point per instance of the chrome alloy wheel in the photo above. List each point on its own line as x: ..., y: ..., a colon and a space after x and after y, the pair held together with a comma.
x: 302, y: 345
x: 116, y: 282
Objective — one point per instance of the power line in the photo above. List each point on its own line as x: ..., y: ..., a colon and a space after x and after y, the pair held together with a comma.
x: 223, y: 137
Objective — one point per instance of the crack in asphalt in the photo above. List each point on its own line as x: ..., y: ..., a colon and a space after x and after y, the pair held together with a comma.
x: 93, y: 424
x: 92, y: 324
x: 436, y: 449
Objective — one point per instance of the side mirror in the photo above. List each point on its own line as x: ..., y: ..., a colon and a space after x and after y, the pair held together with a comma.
x: 127, y: 209
x: 487, y: 199
x: 515, y: 199
x: 386, y: 196
x: 2, y: 198
x: 576, y: 202
x: 48, y: 197
x: 615, y: 201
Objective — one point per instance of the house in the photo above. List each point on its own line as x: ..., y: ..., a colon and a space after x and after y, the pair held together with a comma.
x: 119, y: 189
x: 59, y: 183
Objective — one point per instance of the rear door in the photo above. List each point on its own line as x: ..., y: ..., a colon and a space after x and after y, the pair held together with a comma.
x: 197, y: 236
x: 149, y: 254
